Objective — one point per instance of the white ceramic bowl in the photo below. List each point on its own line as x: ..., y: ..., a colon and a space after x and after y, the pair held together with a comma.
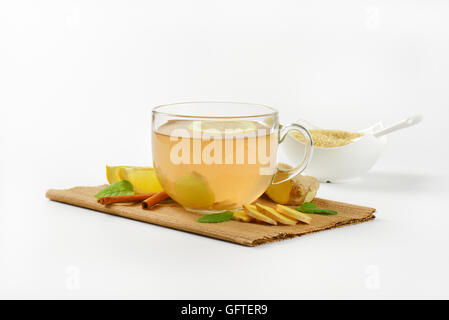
x: 340, y: 164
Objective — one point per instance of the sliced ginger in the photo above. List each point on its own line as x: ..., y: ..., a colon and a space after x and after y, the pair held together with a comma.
x: 240, y: 215
x: 293, y: 192
x: 282, y: 214
x: 192, y: 190
x: 253, y: 212
x: 275, y: 215
x: 292, y: 213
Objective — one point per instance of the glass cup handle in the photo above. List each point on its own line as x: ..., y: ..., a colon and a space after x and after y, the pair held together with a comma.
x: 307, y: 156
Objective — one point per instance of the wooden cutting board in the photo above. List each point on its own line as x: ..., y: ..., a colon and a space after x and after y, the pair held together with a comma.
x: 248, y: 234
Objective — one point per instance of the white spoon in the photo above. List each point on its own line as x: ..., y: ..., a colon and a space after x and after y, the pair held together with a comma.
x: 410, y: 121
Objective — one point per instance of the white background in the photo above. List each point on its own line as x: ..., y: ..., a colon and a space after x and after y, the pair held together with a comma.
x: 77, y: 81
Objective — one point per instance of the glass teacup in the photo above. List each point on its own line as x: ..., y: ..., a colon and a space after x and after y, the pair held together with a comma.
x: 215, y: 156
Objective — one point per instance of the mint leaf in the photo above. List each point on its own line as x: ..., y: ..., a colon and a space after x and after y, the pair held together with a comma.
x: 216, y: 217
x: 309, y: 207
x: 120, y: 188
x: 322, y: 211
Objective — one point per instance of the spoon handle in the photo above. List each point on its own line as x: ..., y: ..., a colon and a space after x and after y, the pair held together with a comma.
x: 410, y: 121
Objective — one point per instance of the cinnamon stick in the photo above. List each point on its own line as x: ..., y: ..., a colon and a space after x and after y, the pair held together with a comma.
x: 154, y: 199
x: 127, y: 198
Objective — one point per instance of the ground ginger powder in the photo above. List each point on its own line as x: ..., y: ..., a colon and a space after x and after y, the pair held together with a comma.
x: 329, y: 138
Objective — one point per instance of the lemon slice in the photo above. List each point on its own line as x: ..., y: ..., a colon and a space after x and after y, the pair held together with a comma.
x: 221, y: 126
x: 113, y: 173
x: 144, y: 179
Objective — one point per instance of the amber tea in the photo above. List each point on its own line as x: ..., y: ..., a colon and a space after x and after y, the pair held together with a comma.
x: 214, y: 165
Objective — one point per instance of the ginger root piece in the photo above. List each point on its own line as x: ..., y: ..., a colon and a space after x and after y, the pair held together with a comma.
x: 292, y: 192
x: 240, y: 215
x: 273, y: 214
x: 293, y: 213
x: 252, y: 212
